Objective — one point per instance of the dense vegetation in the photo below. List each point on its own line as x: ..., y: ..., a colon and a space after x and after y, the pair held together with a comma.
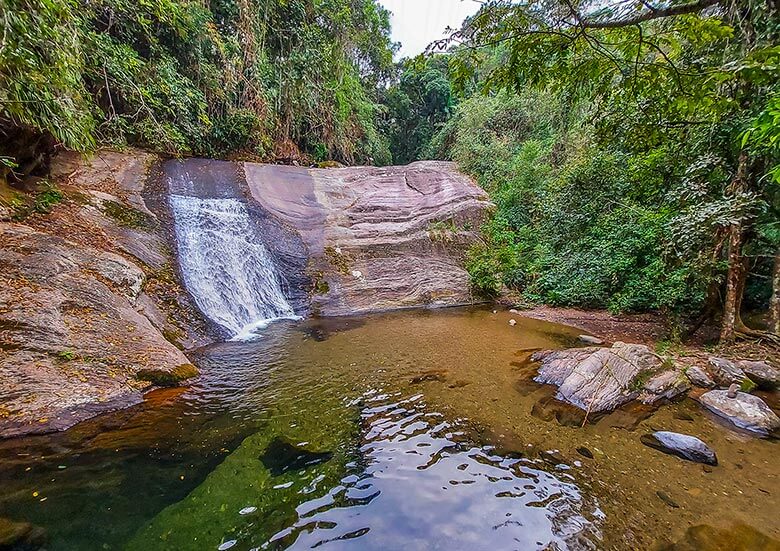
x: 632, y: 153
x: 632, y: 149
x: 219, y: 78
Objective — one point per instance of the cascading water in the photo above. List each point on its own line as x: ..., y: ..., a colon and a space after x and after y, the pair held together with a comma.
x: 226, y: 268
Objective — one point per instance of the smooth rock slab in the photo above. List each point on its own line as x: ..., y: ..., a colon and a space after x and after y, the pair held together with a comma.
x: 681, y: 445
x: 745, y: 411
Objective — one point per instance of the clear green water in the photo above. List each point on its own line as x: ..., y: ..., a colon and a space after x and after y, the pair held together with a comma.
x: 411, y: 430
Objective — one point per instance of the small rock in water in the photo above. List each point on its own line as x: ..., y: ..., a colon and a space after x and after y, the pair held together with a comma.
x: 682, y: 445
x: 699, y: 377
x: 247, y: 510
x: 357, y: 273
x: 553, y: 457
x: 227, y: 545
x: 513, y: 311
x: 495, y: 311
x: 763, y: 374
x: 512, y: 322
x: 666, y: 499
x: 589, y: 339
x: 585, y: 452
x: 744, y: 410
x: 732, y: 391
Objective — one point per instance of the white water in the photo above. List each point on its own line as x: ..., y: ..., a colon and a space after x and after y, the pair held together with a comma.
x: 225, y: 267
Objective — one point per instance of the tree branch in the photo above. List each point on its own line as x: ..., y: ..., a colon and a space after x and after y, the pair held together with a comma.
x: 652, y: 13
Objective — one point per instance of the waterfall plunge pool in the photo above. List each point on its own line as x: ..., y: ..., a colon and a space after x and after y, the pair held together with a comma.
x: 406, y: 430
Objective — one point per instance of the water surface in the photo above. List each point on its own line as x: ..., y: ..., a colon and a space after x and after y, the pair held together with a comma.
x: 408, y: 430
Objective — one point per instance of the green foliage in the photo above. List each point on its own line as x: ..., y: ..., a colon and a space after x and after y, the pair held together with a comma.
x: 222, y: 79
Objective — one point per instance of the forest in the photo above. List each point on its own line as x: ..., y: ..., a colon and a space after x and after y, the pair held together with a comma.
x: 632, y: 150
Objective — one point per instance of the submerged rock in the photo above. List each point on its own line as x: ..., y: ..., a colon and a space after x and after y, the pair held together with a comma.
x: 761, y: 373
x: 744, y: 410
x: 589, y: 339
x: 601, y: 379
x: 699, y: 377
x: 280, y: 456
x: 682, y: 445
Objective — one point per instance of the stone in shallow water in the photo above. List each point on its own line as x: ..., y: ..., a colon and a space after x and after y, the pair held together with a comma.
x: 744, y: 410
x: 682, y: 445
x: 281, y: 456
x: 601, y: 379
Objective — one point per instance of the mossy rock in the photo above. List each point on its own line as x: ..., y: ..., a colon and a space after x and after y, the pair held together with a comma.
x: 161, y: 377
x: 126, y: 216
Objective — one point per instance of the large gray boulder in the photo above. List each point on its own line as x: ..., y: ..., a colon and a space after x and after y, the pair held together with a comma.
x: 725, y: 372
x: 682, y: 445
x: 699, y: 377
x: 601, y: 379
x: 744, y: 410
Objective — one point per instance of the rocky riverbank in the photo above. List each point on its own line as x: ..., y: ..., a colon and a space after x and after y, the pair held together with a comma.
x: 93, y: 312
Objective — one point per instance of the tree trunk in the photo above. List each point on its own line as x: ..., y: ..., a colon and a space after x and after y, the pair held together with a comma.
x: 735, y: 279
x: 734, y: 284
x: 774, y: 304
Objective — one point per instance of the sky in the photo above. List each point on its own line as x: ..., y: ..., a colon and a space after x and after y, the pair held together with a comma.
x: 417, y: 23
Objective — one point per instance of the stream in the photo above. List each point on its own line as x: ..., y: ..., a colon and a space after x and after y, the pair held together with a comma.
x: 409, y: 430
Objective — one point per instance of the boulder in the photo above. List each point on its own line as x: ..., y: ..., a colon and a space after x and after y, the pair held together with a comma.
x: 725, y: 372
x: 601, y: 379
x: 761, y: 373
x: 744, y: 410
x: 699, y: 377
x: 682, y: 445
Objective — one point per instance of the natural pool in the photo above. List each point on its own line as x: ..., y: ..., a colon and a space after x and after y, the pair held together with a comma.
x: 407, y: 430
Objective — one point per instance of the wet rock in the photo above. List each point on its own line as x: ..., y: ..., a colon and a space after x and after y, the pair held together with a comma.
x: 589, y: 339
x: 744, y: 410
x: 512, y: 322
x: 667, y: 499
x: 585, y: 452
x: 761, y: 373
x: 280, y: 456
x: 732, y: 390
x: 439, y: 375
x: 600, y: 379
x: 553, y: 457
x: 725, y: 372
x: 699, y: 377
x: 681, y: 445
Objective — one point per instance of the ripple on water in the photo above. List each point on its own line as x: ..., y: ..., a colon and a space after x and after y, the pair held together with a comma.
x: 422, y: 484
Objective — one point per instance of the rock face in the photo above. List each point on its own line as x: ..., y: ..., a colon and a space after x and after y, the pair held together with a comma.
x: 601, y: 379
x: 682, y: 445
x: 84, y: 303
x: 744, y: 410
x: 377, y: 238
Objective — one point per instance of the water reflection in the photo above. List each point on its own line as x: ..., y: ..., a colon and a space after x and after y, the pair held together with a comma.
x: 423, y: 484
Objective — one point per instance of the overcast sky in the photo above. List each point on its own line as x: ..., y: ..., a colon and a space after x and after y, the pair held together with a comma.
x: 417, y: 23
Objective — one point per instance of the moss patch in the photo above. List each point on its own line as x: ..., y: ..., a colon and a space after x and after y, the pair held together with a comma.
x: 160, y: 377
x: 339, y: 259
x: 126, y: 216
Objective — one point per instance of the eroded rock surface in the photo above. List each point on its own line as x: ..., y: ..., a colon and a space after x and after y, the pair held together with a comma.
x: 377, y: 238
x: 88, y: 294
x: 601, y: 379
x: 744, y: 410
x: 761, y: 373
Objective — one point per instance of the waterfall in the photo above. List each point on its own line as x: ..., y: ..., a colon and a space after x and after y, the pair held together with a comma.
x: 225, y: 266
